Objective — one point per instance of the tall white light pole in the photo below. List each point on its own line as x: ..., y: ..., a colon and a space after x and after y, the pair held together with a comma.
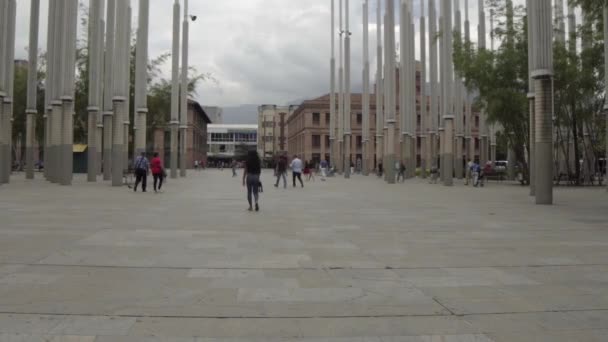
x: 341, y: 92
x: 347, y: 106
x: 94, y: 84
x: 470, y: 143
x: 175, y: 90
x: 32, y: 87
x: 100, y: 88
x: 8, y: 49
x: 379, y: 89
x: 183, y: 114
x: 68, y: 61
x: 411, y: 64
x: 448, y: 106
x: 483, y: 127
x: 332, y: 86
x: 141, y: 77
x: 3, y: 121
x: 424, y: 129
x: 127, y: 79
x: 390, y: 94
x: 458, y: 99
x: 434, y: 101
x: 365, y: 136
x: 404, y: 84
x: 531, y: 11
x: 606, y: 82
x: 55, y: 119
x: 120, y: 70
x: 108, y: 90
x: 543, y: 101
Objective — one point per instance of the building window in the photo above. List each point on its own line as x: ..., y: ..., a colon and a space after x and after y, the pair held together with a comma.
x: 316, y: 141
x: 359, y: 140
x: 327, y: 118
x: 359, y: 118
x: 476, y: 121
x: 316, y: 119
x: 327, y: 141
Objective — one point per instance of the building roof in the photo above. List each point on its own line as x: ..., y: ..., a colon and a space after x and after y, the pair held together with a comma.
x: 197, y: 106
x: 230, y: 127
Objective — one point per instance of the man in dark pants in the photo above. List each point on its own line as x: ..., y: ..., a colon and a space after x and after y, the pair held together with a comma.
x: 296, y: 169
x: 141, y: 167
x: 281, y: 171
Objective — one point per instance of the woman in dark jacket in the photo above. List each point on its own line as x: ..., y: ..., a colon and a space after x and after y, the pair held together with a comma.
x: 251, y: 178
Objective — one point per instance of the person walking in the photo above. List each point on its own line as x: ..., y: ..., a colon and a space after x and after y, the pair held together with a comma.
x: 141, y: 166
x: 234, y: 165
x: 158, y: 172
x: 380, y: 170
x: 251, y: 178
x: 323, y: 169
x: 468, y: 172
x: 401, y: 172
x: 281, y: 171
x: 296, y: 170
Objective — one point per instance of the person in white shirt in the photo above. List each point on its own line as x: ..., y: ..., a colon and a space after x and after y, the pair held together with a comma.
x: 296, y: 170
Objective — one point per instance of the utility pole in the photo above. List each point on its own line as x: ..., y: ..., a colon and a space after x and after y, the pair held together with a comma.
x: 448, y: 106
x: 120, y: 89
x: 390, y: 94
x: 108, y: 90
x: 542, y: 39
x: 434, y: 109
x: 347, y: 106
x: 379, y: 89
x: 365, y: 136
x: 32, y: 90
x: 531, y: 8
x: 141, y: 78
x: 332, y: 87
x: 424, y: 115
x: 184, y: 93
x: 175, y: 90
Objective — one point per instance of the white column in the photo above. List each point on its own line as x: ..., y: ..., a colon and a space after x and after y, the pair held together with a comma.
x: 531, y: 5
x: 379, y: 89
x: 448, y: 105
x: 94, y: 101
x: 108, y: 90
x: 100, y: 88
x: 68, y: 95
x: 184, y: 94
x: 332, y: 86
x: 468, y: 105
x: 120, y: 70
x: 32, y: 93
x: 404, y: 84
x: 127, y: 79
x: 459, y: 103
x: 141, y: 77
x: 483, y: 127
x: 606, y: 85
x: 9, y: 75
x: 543, y: 101
x: 391, y: 90
x: 175, y: 90
x: 365, y: 137
x: 341, y: 92
x: 347, y: 105
x: 424, y: 114
x: 434, y: 105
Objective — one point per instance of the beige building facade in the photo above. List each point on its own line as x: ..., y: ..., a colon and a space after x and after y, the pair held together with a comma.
x: 273, y: 130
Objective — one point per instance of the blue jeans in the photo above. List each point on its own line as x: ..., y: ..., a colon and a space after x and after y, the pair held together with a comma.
x: 253, y: 187
x: 284, y: 176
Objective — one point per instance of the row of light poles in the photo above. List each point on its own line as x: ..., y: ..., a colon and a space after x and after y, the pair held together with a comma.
x: 109, y: 95
x: 449, y: 105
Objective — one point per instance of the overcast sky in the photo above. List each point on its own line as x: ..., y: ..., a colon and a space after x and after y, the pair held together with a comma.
x: 260, y: 51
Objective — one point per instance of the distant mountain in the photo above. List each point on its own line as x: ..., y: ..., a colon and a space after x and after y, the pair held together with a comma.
x: 246, y: 114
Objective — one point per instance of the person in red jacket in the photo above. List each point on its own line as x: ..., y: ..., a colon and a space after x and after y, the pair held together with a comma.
x: 158, y: 171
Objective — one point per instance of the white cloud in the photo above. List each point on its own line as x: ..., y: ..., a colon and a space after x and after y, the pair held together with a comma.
x: 261, y: 51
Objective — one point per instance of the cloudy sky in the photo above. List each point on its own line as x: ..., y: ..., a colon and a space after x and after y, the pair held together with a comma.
x: 260, y: 51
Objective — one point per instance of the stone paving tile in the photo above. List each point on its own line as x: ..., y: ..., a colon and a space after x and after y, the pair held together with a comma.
x: 337, y: 261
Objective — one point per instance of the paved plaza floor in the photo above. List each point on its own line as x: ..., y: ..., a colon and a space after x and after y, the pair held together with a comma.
x: 338, y: 261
